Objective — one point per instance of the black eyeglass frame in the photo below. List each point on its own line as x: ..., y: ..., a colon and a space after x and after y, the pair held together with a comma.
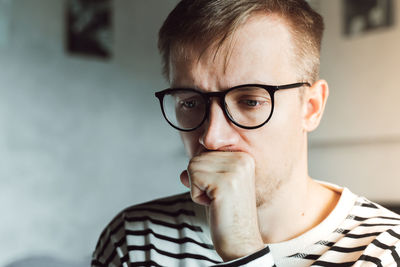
x: 221, y: 95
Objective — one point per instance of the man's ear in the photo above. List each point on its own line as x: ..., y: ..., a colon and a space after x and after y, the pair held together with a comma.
x: 315, y: 98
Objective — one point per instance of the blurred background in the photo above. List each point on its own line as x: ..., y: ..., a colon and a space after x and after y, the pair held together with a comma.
x: 82, y: 136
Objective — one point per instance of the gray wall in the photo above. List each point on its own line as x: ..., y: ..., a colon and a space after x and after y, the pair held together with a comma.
x: 82, y: 138
x: 358, y: 142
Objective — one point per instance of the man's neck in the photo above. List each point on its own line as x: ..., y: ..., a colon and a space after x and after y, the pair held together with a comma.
x: 296, y: 208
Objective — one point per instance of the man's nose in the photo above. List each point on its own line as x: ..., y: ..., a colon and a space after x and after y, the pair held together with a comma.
x: 218, y: 131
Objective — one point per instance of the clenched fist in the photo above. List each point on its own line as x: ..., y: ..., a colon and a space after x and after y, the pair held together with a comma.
x: 225, y: 183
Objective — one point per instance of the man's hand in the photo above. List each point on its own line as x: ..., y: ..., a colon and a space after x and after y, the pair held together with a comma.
x: 225, y: 183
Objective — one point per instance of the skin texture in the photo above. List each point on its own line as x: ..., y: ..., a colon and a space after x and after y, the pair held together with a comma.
x: 254, y: 183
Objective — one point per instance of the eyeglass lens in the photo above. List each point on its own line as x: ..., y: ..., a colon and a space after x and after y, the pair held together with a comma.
x: 246, y: 106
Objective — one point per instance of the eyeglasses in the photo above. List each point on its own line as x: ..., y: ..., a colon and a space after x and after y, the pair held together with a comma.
x: 248, y: 106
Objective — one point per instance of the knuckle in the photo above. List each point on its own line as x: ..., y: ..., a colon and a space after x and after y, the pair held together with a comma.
x: 192, y: 166
x: 247, y: 161
x: 192, y: 160
x: 195, y: 178
x: 231, y: 182
x: 192, y: 175
x: 190, y: 169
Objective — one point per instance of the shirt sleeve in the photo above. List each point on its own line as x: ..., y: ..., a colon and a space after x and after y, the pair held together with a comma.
x: 384, y: 250
x: 260, y: 258
x: 110, y: 249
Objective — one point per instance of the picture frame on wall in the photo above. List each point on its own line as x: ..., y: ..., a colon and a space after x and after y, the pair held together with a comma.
x: 364, y: 16
x: 89, y: 28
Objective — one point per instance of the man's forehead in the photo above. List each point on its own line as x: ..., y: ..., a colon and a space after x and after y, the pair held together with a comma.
x: 262, y: 40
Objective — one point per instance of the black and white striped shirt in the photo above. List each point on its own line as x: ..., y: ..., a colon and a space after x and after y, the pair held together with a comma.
x: 174, y: 232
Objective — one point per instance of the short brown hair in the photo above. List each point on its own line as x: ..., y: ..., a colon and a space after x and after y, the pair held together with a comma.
x: 208, y: 22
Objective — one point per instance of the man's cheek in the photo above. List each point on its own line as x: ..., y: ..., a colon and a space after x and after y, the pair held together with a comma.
x: 190, y: 143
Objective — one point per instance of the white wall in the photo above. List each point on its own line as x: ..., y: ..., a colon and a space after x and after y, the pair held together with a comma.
x: 358, y: 143
x: 80, y: 138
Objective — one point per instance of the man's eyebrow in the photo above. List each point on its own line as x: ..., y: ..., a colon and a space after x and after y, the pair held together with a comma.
x: 186, y: 87
x: 196, y: 88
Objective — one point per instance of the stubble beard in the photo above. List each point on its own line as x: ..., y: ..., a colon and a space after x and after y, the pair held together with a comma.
x: 265, y: 194
x: 269, y: 185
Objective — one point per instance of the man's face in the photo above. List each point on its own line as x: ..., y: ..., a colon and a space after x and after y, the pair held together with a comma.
x: 262, y: 53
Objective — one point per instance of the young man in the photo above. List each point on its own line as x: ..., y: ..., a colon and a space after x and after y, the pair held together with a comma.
x: 244, y: 95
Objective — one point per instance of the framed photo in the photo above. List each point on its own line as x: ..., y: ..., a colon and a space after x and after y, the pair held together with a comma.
x: 89, y: 27
x: 361, y: 16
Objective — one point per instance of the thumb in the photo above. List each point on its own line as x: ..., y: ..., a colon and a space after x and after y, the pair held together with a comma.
x: 185, y: 179
x: 198, y: 195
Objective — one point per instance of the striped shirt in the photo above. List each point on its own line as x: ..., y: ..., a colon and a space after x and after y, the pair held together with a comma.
x: 173, y: 232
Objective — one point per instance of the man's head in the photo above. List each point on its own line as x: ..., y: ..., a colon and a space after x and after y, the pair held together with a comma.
x: 198, y: 24
x: 260, y: 45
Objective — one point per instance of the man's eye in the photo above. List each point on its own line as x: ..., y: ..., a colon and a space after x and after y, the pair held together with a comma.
x: 188, y: 103
x: 251, y: 102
